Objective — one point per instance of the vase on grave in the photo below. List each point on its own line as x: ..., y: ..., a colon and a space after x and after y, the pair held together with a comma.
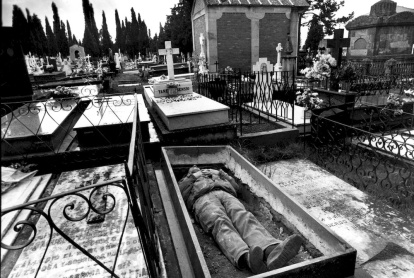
x: 345, y: 86
x: 308, y: 114
x: 334, y: 85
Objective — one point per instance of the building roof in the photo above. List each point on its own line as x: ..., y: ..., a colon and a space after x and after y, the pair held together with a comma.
x: 297, y: 3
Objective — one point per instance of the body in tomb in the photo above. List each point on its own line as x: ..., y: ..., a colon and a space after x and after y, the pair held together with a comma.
x: 212, y: 195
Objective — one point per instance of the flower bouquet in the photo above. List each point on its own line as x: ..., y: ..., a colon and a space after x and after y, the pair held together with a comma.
x: 394, y: 105
x: 62, y: 92
x: 321, y: 68
x: 308, y: 99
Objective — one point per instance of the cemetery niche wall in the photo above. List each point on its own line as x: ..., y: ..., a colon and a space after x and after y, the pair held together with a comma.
x: 383, y: 34
x: 239, y: 32
x: 76, y: 51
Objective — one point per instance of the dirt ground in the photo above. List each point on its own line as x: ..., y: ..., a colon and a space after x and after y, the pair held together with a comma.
x: 219, y: 266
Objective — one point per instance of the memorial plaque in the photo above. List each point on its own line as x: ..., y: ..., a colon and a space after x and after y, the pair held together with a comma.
x: 101, y: 239
x: 358, y: 218
x: 182, y: 87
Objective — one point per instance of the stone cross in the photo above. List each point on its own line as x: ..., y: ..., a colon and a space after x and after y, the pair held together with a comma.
x: 279, y: 49
x: 337, y: 43
x: 202, y: 55
x: 169, y: 51
x: 87, y: 57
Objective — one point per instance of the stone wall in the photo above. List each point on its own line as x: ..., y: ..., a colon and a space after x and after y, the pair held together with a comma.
x: 234, y: 41
x: 395, y: 40
x: 198, y: 6
x: 273, y: 30
x: 368, y: 35
x: 199, y: 25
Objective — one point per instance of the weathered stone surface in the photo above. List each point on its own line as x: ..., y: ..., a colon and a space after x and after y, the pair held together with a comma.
x: 366, y: 224
x: 62, y: 258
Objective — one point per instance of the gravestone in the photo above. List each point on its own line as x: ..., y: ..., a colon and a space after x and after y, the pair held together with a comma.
x: 278, y: 67
x: 337, y: 44
x: 365, y: 223
x: 101, y: 239
x: 263, y: 65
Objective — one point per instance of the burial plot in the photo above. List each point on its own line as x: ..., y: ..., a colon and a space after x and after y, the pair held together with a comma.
x: 62, y: 259
x: 38, y: 127
x: 338, y: 259
x: 367, y: 225
x: 177, y: 105
x: 108, y: 120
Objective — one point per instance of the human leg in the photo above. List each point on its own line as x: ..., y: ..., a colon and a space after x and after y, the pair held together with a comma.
x: 211, y: 215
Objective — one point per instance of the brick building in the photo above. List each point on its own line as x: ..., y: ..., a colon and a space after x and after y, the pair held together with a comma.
x: 238, y: 32
x: 387, y: 32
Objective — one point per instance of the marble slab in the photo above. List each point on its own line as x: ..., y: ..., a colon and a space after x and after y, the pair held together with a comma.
x: 35, y: 119
x: 196, y: 112
x: 183, y: 87
x: 101, y: 239
x: 117, y: 110
x: 366, y: 224
x: 27, y: 193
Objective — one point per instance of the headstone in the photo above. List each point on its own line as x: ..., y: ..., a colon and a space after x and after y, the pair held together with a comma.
x: 170, y: 86
x: 66, y: 67
x: 202, y: 61
x: 337, y: 44
x: 263, y: 65
x: 117, y: 61
x: 278, y: 67
x: 365, y: 223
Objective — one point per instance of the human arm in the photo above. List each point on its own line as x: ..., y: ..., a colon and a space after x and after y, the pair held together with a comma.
x: 223, y: 175
x: 187, y: 183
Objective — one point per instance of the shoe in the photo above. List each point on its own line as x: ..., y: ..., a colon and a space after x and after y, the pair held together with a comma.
x: 256, y: 263
x: 284, y: 252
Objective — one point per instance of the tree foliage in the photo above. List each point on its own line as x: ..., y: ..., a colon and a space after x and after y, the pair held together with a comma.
x: 21, y: 28
x: 106, y: 41
x: 51, y: 40
x: 324, y: 12
x: 315, y: 34
x: 91, y: 35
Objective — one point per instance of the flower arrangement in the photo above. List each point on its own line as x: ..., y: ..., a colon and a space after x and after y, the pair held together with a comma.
x: 62, y: 92
x: 321, y: 67
x: 394, y: 105
x: 228, y: 70
x: 308, y: 99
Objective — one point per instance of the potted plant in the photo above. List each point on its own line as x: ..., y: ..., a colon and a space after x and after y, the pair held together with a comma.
x: 321, y: 68
x: 309, y: 100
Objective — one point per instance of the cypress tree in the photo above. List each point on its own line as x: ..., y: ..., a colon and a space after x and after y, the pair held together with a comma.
x: 21, y: 28
x: 135, y: 43
x: 106, y: 41
x: 75, y: 40
x: 70, y: 41
x: 33, y: 44
x: 40, y: 35
x: 118, y: 39
x: 65, y: 44
x: 51, y: 40
x: 56, y: 24
x: 315, y: 35
x: 90, y: 36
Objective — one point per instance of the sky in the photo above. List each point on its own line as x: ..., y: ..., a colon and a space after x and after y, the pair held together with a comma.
x: 153, y: 12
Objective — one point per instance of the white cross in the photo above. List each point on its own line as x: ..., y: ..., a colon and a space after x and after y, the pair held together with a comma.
x: 169, y: 51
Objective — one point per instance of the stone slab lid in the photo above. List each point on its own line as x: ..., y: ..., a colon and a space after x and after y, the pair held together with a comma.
x: 297, y: 3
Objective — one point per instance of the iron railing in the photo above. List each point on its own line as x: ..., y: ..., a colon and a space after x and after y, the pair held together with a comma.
x: 258, y: 92
x: 378, y: 160
x: 105, y: 128
x: 135, y: 188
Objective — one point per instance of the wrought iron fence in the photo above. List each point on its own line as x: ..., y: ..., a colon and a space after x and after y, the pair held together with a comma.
x: 267, y: 94
x: 375, y: 68
x: 378, y: 160
x: 75, y: 130
x: 134, y: 188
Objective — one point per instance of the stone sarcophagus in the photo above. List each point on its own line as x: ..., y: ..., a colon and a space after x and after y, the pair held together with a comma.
x: 333, y: 258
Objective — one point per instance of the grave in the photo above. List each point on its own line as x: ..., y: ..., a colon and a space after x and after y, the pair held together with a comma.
x: 38, y: 127
x: 338, y: 259
x: 76, y: 51
x: 62, y: 259
x: 27, y: 190
x: 108, y: 120
x: 176, y: 104
x: 369, y: 226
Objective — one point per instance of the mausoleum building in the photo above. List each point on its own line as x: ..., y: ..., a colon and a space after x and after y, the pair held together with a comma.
x: 387, y: 32
x: 239, y: 32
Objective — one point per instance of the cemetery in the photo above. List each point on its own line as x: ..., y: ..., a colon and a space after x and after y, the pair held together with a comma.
x: 237, y: 153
